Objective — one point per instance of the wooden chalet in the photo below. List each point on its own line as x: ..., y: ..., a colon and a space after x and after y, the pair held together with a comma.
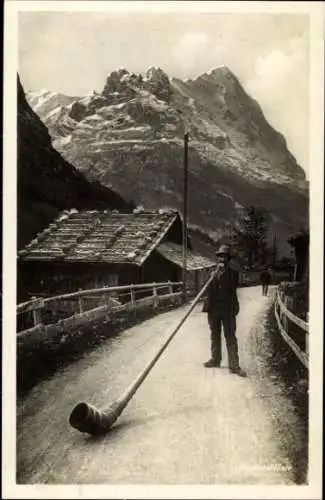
x: 92, y: 249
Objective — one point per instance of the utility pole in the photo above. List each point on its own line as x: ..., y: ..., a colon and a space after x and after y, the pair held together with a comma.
x: 185, y: 218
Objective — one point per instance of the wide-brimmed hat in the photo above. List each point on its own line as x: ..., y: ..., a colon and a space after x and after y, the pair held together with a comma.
x: 224, y: 250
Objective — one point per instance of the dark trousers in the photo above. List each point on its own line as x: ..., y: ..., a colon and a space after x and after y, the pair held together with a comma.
x: 265, y: 288
x: 228, y: 322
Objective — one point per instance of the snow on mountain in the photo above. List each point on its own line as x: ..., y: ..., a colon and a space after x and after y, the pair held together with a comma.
x: 130, y: 136
x: 44, y: 101
x: 47, y: 183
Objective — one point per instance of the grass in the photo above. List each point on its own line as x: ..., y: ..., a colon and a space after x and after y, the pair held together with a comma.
x: 295, y: 379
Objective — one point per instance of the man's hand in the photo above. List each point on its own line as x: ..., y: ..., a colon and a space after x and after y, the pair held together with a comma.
x: 220, y: 267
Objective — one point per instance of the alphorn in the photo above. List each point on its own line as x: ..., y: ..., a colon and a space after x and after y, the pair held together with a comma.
x: 86, y: 418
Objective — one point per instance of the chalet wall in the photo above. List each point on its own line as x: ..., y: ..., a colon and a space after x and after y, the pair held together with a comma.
x: 175, y: 234
x: 49, y: 278
x: 157, y: 268
x: 40, y: 278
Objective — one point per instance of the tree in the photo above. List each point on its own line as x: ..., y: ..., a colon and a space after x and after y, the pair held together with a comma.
x: 274, y: 252
x: 249, y: 235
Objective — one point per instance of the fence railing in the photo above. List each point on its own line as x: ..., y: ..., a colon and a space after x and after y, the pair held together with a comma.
x: 43, y: 317
x: 294, y: 330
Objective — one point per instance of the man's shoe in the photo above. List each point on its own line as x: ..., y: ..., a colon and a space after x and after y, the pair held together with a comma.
x: 238, y: 371
x: 211, y: 364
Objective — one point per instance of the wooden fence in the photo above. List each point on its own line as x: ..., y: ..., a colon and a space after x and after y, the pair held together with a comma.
x: 44, y: 317
x: 252, y: 278
x: 294, y: 330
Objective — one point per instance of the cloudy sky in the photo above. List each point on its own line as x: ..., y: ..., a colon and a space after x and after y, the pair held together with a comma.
x: 73, y: 52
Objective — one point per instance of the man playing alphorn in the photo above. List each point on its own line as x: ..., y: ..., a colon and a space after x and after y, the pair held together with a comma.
x: 222, y: 305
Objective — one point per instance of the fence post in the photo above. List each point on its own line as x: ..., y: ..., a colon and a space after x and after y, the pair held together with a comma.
x: 132, y: 297
x: 37, y: 315
x: 291, y: 306
x: 307, y: 335
x: 170, y: 287
x: 155, y: 297
x: 285, y: 319
x: 280, y: 310
x: 81, y: 309
x: 276, y: 301
x: 307, y: 342
x: 108, y: 307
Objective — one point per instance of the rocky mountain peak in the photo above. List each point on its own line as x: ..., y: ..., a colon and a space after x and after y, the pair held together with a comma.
x: 124, y: 84
x: 92, y: 93
x: 222, y: 71
x: 158, y: 83
x: 135, y: 127
x: 220, y: 79
x: 155, y: 73
x: 120, y: 82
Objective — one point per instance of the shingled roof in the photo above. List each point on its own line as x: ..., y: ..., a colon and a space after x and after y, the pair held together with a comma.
x: 174, y: 253
x: 100, y: 236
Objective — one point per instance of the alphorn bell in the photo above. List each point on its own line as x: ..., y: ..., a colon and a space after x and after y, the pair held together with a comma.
x: 87, y: 418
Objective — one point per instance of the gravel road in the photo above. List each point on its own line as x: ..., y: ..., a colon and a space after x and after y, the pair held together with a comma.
x: 185, y: 425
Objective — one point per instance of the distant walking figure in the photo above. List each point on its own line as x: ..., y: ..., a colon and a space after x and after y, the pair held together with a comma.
x: 265, y: 278
x: 222, y: 305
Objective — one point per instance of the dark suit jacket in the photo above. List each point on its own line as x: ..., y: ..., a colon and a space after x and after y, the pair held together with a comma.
x: 221, y: 296
x: 265, y: 277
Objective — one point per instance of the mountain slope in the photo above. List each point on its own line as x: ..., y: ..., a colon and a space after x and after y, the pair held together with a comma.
x: 47, y: 183
x: 130, y: 137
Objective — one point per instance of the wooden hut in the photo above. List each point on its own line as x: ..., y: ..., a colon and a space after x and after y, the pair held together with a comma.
x: 92, y: 249
x: 198, y: 267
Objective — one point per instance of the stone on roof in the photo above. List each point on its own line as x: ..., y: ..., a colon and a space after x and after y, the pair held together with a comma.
x: 100, y: 236
x: 174, y: 253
